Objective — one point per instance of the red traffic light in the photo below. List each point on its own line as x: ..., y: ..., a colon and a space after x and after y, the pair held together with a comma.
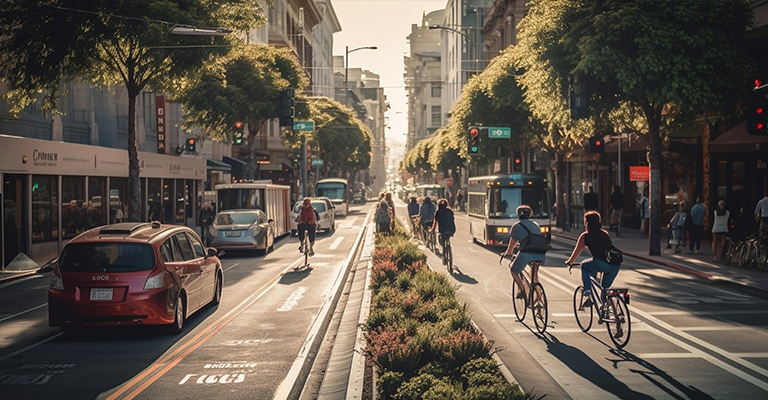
x: 759, y: 110
x: 238, y: 124
x: 758, y: 82
x: 598, y: 143
x: 760, y: 126
x: 191, y: 142
x: 474, y: 132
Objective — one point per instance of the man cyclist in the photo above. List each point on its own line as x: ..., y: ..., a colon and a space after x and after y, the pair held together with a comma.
x: 426, y: 214
x: 444, y: 222
x: 517, y: 233
x: 598, y: 241
x: 307, y: 220
x: 413, y: 211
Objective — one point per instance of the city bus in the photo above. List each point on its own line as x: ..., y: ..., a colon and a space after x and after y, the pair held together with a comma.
x: 492, y: 201
x: 436, y: 192
x: 274, y: 200
x: 335, y: 189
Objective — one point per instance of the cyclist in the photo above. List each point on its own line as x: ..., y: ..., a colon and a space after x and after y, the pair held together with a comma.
x: 516, y: 234
x: 598, y: 241
x: 426, y: 214
x: 413, y: 211
x: 307, y: 220
x: 444, y: 222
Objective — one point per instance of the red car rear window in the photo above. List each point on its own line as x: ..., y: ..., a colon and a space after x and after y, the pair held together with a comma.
x: 107, y: 257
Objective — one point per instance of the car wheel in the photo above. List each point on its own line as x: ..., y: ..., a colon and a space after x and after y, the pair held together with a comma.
x: 180, y: 315
x: 217, y: 290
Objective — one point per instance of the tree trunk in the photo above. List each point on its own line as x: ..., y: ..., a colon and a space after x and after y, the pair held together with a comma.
x: 560, y: 178
x: 655, y: 160
x: 134, y: 188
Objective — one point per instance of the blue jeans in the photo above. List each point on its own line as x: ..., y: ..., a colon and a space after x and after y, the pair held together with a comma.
x: 594, y: 265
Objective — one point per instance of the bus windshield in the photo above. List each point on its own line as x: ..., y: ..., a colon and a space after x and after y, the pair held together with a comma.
x: 504, y: 201
x: 333, y: 191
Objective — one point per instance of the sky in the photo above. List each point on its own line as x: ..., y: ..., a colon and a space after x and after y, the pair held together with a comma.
x: 385, y: 24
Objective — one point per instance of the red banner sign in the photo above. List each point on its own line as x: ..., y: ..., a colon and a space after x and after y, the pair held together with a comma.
x: 639, y: 173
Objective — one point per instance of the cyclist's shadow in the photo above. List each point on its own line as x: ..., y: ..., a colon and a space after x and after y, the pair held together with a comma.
x: 587, y: 368
x: 295, y: 275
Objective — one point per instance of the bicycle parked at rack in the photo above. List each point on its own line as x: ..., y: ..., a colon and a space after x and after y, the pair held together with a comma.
x: 752, y: 252
x: 534, y: 298
x: 611, y: 306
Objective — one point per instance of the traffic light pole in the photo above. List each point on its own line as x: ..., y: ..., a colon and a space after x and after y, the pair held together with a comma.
x: 304, y: 165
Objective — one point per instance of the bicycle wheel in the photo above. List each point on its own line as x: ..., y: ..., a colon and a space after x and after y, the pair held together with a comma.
x: 752, y: 255
x: 761, y: 254
x: 519, y: 299
x: 448, y: 257
x: 618, y: 322
x: 583, y: 313
x: 539, y: 307
x: 728, y: 250
x: 744, y: 254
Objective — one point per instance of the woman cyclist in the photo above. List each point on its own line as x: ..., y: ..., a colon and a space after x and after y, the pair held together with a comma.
x: 444, y: 221
x: 517, y: 234
x: 598, y: 241
x: 307, y: 220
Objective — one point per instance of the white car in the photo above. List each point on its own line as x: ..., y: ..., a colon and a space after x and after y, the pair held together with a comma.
x: 326, y: 213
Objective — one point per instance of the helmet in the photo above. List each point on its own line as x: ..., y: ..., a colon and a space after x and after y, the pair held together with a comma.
x: 524, y: 211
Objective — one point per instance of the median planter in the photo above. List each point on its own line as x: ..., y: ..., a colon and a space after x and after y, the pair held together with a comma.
x: 419, y: 337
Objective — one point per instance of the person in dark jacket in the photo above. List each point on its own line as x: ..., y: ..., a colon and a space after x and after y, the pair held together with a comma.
x: 205, y: 220
x: 444, y: 221
x: 590, y: 200
x: 598, y: 241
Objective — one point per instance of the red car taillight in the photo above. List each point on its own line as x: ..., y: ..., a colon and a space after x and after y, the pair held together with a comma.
x: 56, y: 282
x: 156, y: 281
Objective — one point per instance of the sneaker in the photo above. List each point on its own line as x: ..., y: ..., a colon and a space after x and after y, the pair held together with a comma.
x: 301, y: 250
x: 520, y: 295
x: 311, y: 252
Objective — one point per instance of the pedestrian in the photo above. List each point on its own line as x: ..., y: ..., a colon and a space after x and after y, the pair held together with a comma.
x: 590, y: 200
x: 617, y: 208
x: 460, y: 199
x: 645, y: 214
x: 698, y: 212
x: 205, y: 220
x: 719, y: 229
x: 761, y: 213
x: 677, y: 226
x: 383, y: 219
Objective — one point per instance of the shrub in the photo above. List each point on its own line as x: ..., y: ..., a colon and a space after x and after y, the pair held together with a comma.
x: 383, y: 273
x: 388, y: 383
x: 425, y: 386
x: 391, y: 348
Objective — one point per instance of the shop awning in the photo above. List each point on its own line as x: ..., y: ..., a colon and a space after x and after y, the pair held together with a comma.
x: 238, y: 166
x: 737, y: 139
x: 216, y: 165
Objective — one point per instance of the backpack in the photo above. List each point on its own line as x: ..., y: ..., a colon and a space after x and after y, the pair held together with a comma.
x: 614, y: 256
x: 533, y: 243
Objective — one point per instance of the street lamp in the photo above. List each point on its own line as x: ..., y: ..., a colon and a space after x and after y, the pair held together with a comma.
x: 346, y: 62
x: 195, y: 31
x: 464, y: 35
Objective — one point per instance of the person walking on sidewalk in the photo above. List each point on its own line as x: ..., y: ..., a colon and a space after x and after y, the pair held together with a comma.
x: 698, y: 212
x: 719, y: 229
x: 617, y: 208
x: 590, y: 200
x: 761, y: 213
x: 677, y: 226
x: 645, y: 214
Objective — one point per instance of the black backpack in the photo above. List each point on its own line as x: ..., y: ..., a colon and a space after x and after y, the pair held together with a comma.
x: 533, y: 243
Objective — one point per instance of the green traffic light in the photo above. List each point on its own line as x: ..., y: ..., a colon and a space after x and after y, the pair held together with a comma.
x: 474, y: 149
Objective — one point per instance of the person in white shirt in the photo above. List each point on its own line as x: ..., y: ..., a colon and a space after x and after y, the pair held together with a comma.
x: 719, y: 229
x: 761, y: 212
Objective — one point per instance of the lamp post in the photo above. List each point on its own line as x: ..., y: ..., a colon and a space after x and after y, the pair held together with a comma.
x: 464, y: 35
x: 346, y: 65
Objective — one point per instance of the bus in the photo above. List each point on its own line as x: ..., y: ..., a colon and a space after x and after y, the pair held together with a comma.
x: 335, y: 189
x: 436, y: 192
x: 492, y: 201
x: 274, y: 200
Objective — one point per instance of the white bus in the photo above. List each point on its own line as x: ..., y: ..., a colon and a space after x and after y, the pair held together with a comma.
x: 274, y: 200
x: 436, y: 192
x: 492, y: 201
x: 335, y: 189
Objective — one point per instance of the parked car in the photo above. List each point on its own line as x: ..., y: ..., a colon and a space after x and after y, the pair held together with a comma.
x: 246, y: 229
x: 326, y: 214
x: 133, y: 273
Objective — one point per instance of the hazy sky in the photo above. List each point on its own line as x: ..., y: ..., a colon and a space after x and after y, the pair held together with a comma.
x: 385, y: 24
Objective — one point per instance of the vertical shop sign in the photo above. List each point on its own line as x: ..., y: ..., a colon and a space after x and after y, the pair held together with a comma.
x: 160, y: 118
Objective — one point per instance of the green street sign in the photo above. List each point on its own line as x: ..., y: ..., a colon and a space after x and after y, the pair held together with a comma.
x: 317, y: 162
x: 304, y: 126
x: 497, y: 132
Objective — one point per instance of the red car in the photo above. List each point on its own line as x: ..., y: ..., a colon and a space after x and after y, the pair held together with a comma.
x: 133, y: 273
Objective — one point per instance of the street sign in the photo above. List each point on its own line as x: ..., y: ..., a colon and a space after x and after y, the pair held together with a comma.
x: 304, y: 126
x: 317, y: 162
x: 497, y: 132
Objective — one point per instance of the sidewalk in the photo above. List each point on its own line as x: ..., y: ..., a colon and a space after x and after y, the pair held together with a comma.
x: 701, y: 265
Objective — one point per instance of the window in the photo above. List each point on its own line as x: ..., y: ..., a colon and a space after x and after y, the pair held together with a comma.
x: 185, y: 247
x: 436, y: 120
x: 45, y: 209
x: 437, y: 90
x: 166, y: 251
x: 73, y: 207
x: 197, y: 246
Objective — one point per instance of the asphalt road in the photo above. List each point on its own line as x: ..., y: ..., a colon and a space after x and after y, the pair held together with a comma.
x: 690, y: 339
x: 256, y: 344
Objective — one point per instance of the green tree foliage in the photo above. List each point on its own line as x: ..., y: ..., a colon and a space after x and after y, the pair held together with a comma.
x: 127, y: 42
x: 243, y: 85
x: 340, y: 139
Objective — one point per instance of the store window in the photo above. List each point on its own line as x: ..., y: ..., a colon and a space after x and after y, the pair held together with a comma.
x: 181, y: 195
x: 118, y: 193
x: 45, y: 209
x: 94, y: 209
x: 154, y: 197
x: 72, y: 211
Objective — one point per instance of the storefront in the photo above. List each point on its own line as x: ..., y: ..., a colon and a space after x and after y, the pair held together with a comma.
x: 53, y: 191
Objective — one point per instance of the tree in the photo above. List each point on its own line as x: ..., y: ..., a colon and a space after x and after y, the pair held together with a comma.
x: 107, y: 43
x: 243, y: 85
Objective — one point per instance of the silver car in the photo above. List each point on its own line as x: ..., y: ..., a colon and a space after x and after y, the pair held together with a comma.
x: 326, y: 214
x: 242, y: 230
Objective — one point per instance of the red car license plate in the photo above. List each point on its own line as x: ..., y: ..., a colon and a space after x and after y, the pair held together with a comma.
x: 232, y: 234
x: 101, y: 293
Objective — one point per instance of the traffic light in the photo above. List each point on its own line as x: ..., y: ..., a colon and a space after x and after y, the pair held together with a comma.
x: 578, y: 99
x: 757, y: 118
x: 517, y: 161
x: 239, y: 136
x: 596, y: 144
x: 191, y: 145
x: 473, y: 140
x: 457, y: 170
x: 286, y: 107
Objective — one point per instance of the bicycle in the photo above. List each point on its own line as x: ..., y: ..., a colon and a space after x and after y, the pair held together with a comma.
x: 304, y: 248
x: 416, y: 227
x: 754, y: 252
x: 614, y: 311
x: 448, y: 255
x: 535, y: 298
x: 429, y: 236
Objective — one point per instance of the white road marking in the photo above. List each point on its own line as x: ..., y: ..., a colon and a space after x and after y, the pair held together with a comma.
x: 23, y: 312
x: 336, y: 243
x: 293, y: 299
x: 232, y: 266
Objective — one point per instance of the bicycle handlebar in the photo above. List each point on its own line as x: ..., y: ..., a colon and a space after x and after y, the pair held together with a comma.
x: 571, y: 265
